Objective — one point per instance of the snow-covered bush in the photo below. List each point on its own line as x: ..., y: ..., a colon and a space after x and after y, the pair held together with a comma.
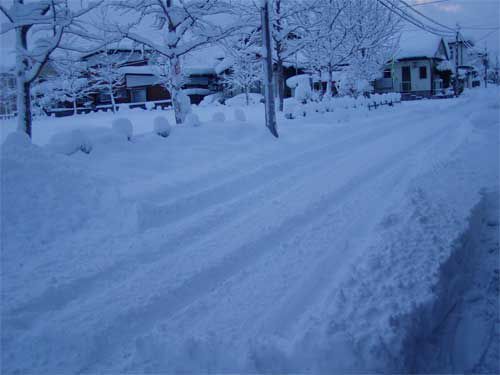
x: 70, y: 142
x: 239, y: 115
x: 161, y: 126
x: 123, y: 126
x: 212, y: 99
x: 240, y: 100
x: 303, y: 91
x: 192, y: 119
x: 219, y: 117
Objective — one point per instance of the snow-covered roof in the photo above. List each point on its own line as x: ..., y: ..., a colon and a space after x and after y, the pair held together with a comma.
x: 202, y: 61
x: 142, y: 69
x: 420, y: 44
x: 293, y: 81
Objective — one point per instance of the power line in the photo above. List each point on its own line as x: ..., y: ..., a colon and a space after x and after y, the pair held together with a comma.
x: 426, y: 17
x: 413, y: 20
x: 486, y: 36
x: 429, y: 3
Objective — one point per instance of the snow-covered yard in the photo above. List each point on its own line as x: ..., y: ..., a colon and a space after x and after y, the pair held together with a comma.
x: 223, y: 249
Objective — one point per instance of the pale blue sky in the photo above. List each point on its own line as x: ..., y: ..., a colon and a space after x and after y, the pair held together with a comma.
x: 472, y: 15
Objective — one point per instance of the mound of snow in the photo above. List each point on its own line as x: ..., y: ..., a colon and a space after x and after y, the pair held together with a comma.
x: 44, y: 196
x: 161, y: 126
x: 192, y: 120
x: 70, y: 142
x: 239, y: 115
x: 123, y: 126
x: 219, y: 117
x: 240, y: 100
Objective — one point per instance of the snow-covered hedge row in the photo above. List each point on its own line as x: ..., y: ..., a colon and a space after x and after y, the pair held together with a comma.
x: 297, y: 108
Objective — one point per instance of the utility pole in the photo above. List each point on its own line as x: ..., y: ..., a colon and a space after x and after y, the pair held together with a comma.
x: 455, y: 83
x: 268, y: 69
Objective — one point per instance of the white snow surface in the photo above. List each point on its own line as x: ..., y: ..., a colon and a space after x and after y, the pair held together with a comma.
x: 222, y: 249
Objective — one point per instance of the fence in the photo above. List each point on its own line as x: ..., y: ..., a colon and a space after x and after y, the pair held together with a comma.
x: 62, y: 112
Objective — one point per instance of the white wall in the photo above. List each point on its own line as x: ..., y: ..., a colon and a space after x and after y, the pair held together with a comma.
x: 417, y: 84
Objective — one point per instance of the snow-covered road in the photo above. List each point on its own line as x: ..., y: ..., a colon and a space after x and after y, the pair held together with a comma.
x: 235, y: 252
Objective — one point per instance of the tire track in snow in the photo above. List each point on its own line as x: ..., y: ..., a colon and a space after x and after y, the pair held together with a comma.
x: 247, y: 190
x: 126, y: 327
x: 321, y: 255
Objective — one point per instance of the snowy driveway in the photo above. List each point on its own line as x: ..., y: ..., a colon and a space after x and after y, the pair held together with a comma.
x: 229, y: 251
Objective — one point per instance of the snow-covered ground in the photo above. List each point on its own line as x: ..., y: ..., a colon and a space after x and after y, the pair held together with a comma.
x: 222, y: 249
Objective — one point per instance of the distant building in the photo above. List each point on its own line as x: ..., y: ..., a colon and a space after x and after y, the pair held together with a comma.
x: 418, y: 68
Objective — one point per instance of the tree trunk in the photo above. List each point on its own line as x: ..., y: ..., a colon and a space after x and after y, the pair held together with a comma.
x: 24, y: 119
x: 268, y: 70
x: 175, y: 71
x: 329, y: 84
x: 74, y: 106
x: 23, y: 86
x: 280, y: 82
x: 246, y: 95
x: 112, y: 96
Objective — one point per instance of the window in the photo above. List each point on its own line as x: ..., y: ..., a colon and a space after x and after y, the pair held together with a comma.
x: 423, y: 72
x: 387, y: 73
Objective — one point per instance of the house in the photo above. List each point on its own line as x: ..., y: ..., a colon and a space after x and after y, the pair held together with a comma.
x: 7, y: 92
x: 462, y: 54
x: 417, y: 68
x: 141, y: 79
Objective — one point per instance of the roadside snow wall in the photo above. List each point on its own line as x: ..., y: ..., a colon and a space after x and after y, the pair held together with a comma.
x: 43, y: 196
x: 459, y: 330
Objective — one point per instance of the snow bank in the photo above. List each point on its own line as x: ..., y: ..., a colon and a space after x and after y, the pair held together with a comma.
x: 161, y: 126
x: 239, y: 115
x: 70, y: 142
x: 192, y: 119
x: 123, y: 126
x: 44, y: 196
x: 219, y: 117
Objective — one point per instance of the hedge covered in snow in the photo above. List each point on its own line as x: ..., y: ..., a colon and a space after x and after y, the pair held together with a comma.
x: 298, y: 107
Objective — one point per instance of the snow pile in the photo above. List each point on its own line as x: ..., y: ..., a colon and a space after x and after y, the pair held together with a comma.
x: 44, y: 196
x: 70, y: 142
x: 219, y: 117
x: 239, y: 115
x: 123, y: 126
x: 192, y: 119
x: 240, y: 100
x: 161, y: 126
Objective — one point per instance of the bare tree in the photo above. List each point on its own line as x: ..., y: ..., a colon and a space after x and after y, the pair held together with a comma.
x: 184, y: 25
x: 39, y: 27
x: 106, y: 77
x: 243, y: 52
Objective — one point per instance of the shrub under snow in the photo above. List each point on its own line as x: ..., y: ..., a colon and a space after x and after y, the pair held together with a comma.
x: 219, y: 117
x: 69, y: 142
x: 192, y: 120
x: 240, y: 99
x: 239, y: 115
x: 123, y: 126
x: 303, y: 91
x: 161, y: 126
